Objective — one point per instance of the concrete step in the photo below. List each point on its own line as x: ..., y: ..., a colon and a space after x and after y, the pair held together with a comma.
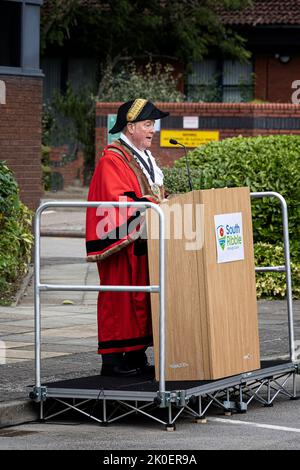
x: 18, y: 411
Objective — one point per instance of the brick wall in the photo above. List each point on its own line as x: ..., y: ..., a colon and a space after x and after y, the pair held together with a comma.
x: 274, y: 79
x: 20, y: 134
x: 230, y: 119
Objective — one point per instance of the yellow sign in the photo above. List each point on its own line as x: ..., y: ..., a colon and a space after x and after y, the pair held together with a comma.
x: 189, y: 138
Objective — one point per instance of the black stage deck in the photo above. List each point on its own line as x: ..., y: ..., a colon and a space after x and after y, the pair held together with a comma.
x: 108, y: 399
x: 147, y: 383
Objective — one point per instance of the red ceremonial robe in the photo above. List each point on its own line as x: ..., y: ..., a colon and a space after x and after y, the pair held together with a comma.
x: 124, y: 318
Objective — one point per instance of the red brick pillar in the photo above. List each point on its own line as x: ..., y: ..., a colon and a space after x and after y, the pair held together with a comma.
x: 20, y: 134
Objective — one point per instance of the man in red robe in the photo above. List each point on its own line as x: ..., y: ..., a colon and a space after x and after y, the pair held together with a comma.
x: 126, y: 171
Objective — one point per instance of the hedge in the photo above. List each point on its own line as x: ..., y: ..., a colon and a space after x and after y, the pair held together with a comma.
x: 270, y: 284
x: 264, y: 163
x: 15, y: 236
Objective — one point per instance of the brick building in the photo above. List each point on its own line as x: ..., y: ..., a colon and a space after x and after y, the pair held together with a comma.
x: 271, y: 32
x: 21, y: 95
x: 271, y: 28
x: 227, y: 86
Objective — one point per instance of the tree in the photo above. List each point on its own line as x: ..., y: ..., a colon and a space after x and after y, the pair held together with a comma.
x: 127, y: 31
x: 182, y: 29
x: 56, y: 20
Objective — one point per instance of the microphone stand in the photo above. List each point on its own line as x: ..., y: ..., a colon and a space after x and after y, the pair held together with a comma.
x: 175, y: 142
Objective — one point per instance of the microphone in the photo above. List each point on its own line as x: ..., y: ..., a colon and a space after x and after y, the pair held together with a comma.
x: 175, y: 142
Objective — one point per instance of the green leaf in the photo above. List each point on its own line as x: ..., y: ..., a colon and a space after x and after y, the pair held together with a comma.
x: 68, y: 302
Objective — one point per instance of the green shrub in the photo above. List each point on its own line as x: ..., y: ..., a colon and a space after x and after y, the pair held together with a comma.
x: 270, y: 163
x: 263, y: 163
x: 15, y: 236
x: 273, y: 285
x: 8, y: 193
x: 176, y: 180
x: 155, y: 83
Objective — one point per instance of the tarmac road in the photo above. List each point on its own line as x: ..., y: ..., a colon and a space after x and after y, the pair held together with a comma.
x: 276, y: 428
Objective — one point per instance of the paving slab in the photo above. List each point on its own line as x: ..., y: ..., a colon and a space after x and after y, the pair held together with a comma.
x: 29, y: 355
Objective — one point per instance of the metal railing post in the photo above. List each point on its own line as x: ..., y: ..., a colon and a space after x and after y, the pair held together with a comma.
x: 162, y: 338
x: 37, y: 298
x: 287, y: 266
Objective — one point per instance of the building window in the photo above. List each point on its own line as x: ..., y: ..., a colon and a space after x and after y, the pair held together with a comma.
x: 236, y: 82
x: 10, y: 34
x: 202, y: 84
x: 80, y: 73
x: 52, y: 81
x: 213, y: 81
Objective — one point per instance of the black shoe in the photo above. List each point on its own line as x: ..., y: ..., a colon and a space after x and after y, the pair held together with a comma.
x: 148, y: 369
x: 135, y: 359
x: 138, y: 360
x: 119, y: 371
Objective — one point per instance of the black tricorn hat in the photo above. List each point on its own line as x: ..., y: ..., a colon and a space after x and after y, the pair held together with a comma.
x: 134, y: 111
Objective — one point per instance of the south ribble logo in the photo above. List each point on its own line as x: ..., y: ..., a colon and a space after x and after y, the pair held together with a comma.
x: 221, y: 236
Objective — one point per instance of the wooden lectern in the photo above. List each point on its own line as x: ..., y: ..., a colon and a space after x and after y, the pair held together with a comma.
x: 211, y: 308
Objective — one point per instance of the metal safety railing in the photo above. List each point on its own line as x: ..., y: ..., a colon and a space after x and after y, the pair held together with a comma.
x: 285, y: 268
x: 160, y: 288
x: 38, y: 286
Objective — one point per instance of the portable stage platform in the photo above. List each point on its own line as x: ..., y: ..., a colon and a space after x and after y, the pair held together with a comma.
x: 108, y: 399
